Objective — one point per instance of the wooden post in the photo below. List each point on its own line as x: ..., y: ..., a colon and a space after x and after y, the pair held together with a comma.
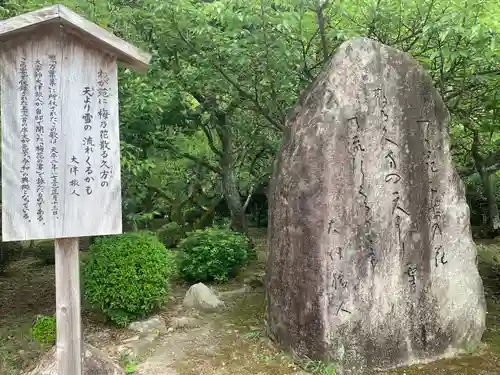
x: 69, y: 330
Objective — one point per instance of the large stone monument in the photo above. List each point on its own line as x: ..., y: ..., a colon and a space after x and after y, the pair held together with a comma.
x: 371, y: 264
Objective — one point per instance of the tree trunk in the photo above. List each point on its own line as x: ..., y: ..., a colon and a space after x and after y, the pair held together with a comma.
x: 229, y: 183
x: 488, y: 181
x: 230, y: 189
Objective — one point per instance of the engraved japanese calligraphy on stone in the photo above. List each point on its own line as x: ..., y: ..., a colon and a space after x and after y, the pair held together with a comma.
x: 363, y: 163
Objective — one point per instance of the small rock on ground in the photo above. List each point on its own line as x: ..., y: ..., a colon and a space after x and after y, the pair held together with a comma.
x: 201, y: 297
x: 155, y: 324
x: 184, y: 322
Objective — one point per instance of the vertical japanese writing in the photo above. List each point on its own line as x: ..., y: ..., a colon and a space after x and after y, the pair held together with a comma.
x: 412, y: 272
x: 339, y: 281
x: 103, y: 113
x: 355, y: 142
x: 25, y: 140
x: 53, y: 136
x: 356, y: 149
x: 435, y: 213
x: 436, y: 231
x: 331, y: 228
x: 338, y: 285
x: 393, y: 177
x: 429, y: 159
x: 362, y: 192
x: 74, y: 182
x: 88, y: 141
x: 39, y: 141
x: 381, y: 102
x: 341, y: 308
x: 335, y: 249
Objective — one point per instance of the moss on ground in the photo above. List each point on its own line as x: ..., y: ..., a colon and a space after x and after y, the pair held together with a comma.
x: 241, y: 346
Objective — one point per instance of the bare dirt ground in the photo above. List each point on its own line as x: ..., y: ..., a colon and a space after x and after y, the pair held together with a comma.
x: 230, y: 341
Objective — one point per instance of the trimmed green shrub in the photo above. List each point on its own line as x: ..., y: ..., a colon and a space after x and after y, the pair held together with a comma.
x: 171, y: 234
x: 45, y: 251
x: 212, y: 254
x: 127, y: 277
x: 44, y: 330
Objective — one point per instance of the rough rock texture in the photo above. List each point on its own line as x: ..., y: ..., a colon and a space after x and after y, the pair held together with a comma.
x: 184, y: 322
x: 154, y: 324
x: 95, y: 362
x: 137, y: 346
x: 371, y: 263
x: 200, y: 296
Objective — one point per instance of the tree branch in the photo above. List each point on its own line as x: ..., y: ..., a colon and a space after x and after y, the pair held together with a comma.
x: 261, y: 110
x: 321, y: 27
x: 247, y: 201
x: 194, y: 158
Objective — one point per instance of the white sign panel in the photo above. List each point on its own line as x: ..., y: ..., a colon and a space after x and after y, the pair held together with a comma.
x: 60, y: 140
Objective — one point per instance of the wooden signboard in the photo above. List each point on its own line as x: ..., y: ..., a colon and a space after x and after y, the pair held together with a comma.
x: 61, y: 144
x: 60, y: 140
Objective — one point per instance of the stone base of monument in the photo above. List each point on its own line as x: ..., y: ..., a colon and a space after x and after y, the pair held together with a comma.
x: 371, y: 259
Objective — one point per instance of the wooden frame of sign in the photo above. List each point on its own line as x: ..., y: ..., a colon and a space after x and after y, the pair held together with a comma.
x: 61, y: 145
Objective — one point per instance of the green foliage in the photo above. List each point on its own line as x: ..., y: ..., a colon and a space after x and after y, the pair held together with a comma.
x: 136, y: 173
x: 44, y: 330
x: 127, y: 362
x: 319, y: 367
x: 171, y: 234
x: 5, y: 256
x: 126, y: 277
x: 205, y: 123
x: 212, y: 254
x: 7, y: 252
x: 45, y: 251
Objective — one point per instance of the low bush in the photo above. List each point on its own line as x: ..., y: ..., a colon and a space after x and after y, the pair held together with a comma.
x: 5, y: 256
x: 45, y: 251
x: 127, y: 277
x: 171, y: 234
x: 44, y: 330
x: 212, y: 254
x: 7, y: 252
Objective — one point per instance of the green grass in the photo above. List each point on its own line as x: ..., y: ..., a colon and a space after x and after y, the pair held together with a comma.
x: 127, y: 362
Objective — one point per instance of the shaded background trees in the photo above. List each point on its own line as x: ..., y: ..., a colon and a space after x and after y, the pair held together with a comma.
x: 200, y: 131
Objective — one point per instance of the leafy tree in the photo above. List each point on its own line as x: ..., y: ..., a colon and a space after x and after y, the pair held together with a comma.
x: 200, y: 130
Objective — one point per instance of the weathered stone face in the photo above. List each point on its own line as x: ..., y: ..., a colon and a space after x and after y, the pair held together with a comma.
x: 371, y: 263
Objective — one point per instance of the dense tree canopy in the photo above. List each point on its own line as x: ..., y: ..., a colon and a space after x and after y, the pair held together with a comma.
x: 201, y: 129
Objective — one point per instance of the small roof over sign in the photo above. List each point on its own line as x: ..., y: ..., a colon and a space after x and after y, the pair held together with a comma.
x: 125, y: 52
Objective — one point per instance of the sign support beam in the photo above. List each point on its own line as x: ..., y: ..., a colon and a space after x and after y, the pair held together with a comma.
x: 68, y: 316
